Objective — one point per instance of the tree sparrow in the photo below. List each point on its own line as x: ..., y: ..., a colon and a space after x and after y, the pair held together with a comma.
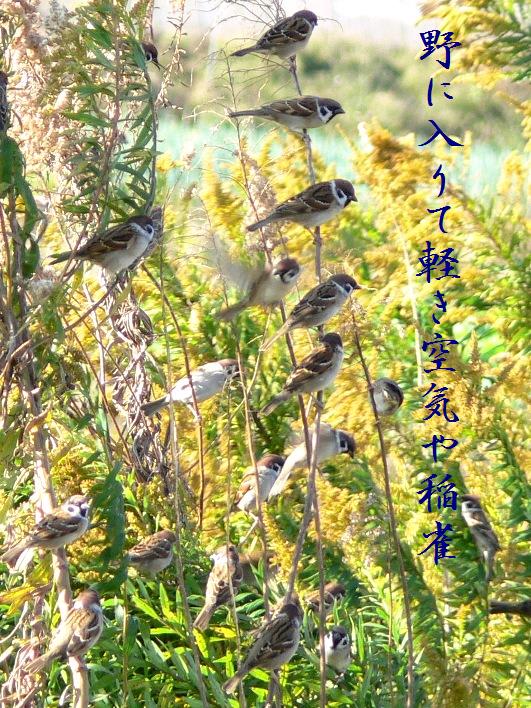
x: 314, y: 373
x: 296, y: 114
x: 226, y: 565
x: 332, y: 441
x: 317, y: 306
x: 207, y: 381
x: 117, y: 248
x: 311, y: 208
x: 388, y: 396
x: 286, y: 38
x: 154, y: 553
x: 268, y: 287
x: 333, y: 592
x: 269, y: 468
x: 151, y: 53
x: 74, y: 636
x: 60, y: 527
x: 337, y: 649
x: 275, y: 644
x: 481, y: 530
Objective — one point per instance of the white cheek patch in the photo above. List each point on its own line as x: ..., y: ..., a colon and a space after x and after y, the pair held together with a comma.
x: 340, y: 200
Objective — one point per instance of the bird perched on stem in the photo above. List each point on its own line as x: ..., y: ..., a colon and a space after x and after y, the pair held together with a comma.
x: 76, y: 634
x: 388, y: 396
x: 275, y: 644
x: 60, y: 527
x: 225, y: 572
x: 154, y: 553
x: 338, y: 649
x: 333, y: 592
x: 298, y: 114
x: 318, y: 306
x: 268, y: 468
x: 285, y: 38
x: 481, y: 530
x: 332, y: 441
x: 313, y: 206
x: 207, y: 381
x: 115, y: 249
x: 314, y: 373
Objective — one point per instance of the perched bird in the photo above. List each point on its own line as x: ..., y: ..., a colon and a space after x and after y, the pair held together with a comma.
x: 76, y: 634
x: 154, y: 553
x: 269, y: 468
x: 314, y: 373
x: 117, y: 248
x: 314, y: 206
x: 338, y: 649
x: 333, y: 592
x: 318, y: 305
x: 266, y: 287
x: 481, y: 530
x: 207, y: 381
x: 388, y: 396
x: 286, y: 37
x: 522, y: 608
x: 151, y: 53
x: 60, y: 527
x: 332, y: 441
x: 301, y: 113
x: 252, y: 560
x: 275, y: 644
x: 226, y: 565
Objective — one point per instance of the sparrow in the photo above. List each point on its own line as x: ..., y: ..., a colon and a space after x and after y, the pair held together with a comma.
x: 300, y: 113
x: 481, y: 530
x: 275, y: 644
x: 151, y: 53
x: 332, y: 441
x: 115, y: 249
x: 317, y: 306
x: 266, y: 288
x: 252, y: 560
x: 269, y: 468
x: 154, y: 553
x: 333, y: 592
x: 226, y: 565
x: 60, y: 527
x: 522, y: 608
x: 314, y: 206
x: 314, y: 373
x: 207, y: 381
x: 388, y: 396
x: 76, y: 634
x: 286, y: 37
x: 337, y: 649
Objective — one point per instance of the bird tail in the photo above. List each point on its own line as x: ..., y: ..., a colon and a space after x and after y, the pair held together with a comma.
x: 232, y: 684
x: 260, y: 224
x: 280, y: 481
x: 203, y: 618
x: 18, y: 557
x: 229, y: 313
x: 279, y: 333
x: 241, y: 114
x: 153, y: 407
x: 39, y: 664
x: 60, y: 257
x: 489, y: 573
x: 276, y: 401
x: 244, y: 51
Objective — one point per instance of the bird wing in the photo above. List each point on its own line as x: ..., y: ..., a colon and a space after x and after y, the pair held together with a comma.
x: 115, y: 239
x: 315, y: 301
x: 274, y: 638
x: 316, y: 363
x: 151, y: 549
x: 246, y: 485
x: 482, y: 527
x: 236, y: 272
x: 301, y: 107
x: 87, y: 627
x: 53, y: 526
x: 288, y: 31
x: 317, y: 198
x: 218, y: 587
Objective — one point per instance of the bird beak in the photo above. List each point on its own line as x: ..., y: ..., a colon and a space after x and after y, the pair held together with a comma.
x: 339, y: 110
x: 351, y: 454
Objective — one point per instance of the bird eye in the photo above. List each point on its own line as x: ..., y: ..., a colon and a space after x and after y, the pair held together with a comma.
x: 72, y: 509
